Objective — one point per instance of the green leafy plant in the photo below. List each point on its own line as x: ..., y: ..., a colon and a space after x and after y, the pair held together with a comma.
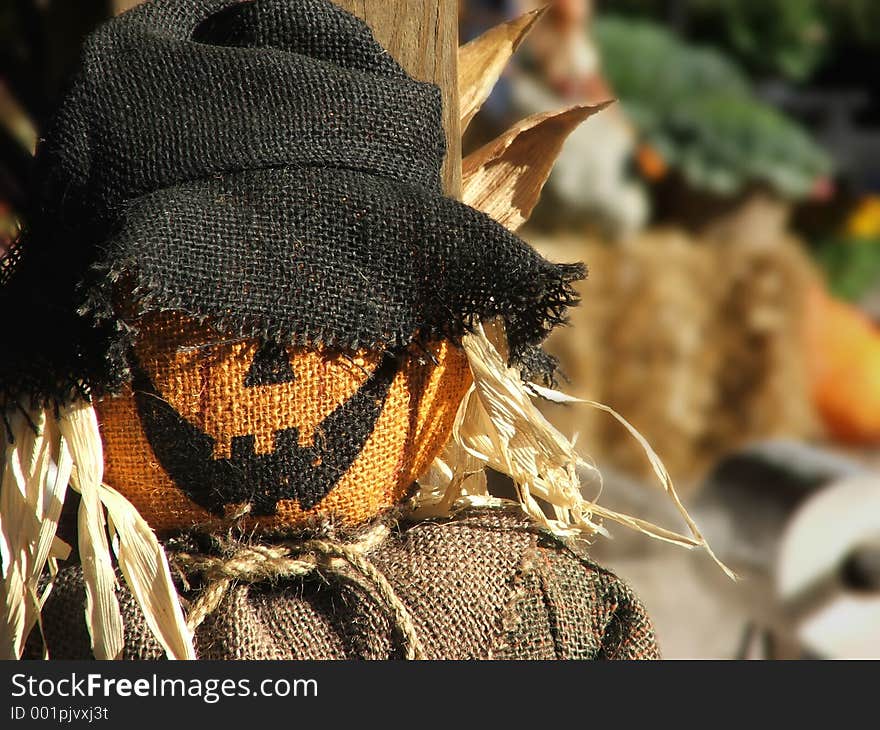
x: 771, y: 38
x: 695, y: 107
x: 852, y: 266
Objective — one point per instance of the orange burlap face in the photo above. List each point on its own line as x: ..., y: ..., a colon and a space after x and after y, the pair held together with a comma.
x: 300, y: 436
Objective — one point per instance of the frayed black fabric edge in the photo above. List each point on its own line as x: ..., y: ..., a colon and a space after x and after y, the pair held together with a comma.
x: 105, y: 372
x: 528, y: 323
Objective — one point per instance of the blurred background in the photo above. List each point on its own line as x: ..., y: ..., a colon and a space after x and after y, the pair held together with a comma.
x: 728, y: 207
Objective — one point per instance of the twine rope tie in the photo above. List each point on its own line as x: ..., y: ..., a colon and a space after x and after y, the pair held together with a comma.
x: 272, y: 563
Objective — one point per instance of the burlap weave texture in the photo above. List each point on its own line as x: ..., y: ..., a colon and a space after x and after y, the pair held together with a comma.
x: 484, y: 585
x: 220, y: 398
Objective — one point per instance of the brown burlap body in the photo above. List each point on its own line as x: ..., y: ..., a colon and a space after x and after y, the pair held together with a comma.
x: 487, y: 584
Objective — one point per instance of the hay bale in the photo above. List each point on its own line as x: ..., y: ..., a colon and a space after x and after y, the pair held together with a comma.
x: 695, y: 342
x: 762, y: 377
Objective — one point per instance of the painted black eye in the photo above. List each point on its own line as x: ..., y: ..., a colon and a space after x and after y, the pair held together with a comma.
x: 271, y: 366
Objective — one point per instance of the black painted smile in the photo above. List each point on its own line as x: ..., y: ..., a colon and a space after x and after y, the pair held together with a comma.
x: 290, y: 471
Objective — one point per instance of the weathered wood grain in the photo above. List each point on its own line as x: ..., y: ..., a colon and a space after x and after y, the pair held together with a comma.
x: 120, y: 6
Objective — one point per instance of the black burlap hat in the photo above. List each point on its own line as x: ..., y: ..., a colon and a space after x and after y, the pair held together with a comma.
x: 266, y: 166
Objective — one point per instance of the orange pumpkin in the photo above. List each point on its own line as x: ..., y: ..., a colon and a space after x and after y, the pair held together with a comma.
x: 211, y: 426
x: 843, y: 348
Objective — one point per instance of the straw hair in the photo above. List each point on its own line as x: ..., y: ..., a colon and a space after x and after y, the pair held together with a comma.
x: 31, y: 495
x: 42, y: 454
x: 499, y: 426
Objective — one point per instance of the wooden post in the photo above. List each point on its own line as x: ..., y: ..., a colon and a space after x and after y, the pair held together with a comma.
x: 423, y: 37
x: 120, y: 6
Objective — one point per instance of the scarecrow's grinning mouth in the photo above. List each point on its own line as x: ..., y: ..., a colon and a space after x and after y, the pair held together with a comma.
x: 290, y: 471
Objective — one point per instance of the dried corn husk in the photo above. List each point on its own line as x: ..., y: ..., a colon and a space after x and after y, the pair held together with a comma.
x: 504, y: 178
x: 79, y: 427
x: 499, y: 426
x: 43, y: 456
x: 35, y: 472
x: 145, y: 569
x: 482, y: 60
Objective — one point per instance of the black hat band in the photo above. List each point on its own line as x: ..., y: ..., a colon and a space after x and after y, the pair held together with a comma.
x: 172, y: 110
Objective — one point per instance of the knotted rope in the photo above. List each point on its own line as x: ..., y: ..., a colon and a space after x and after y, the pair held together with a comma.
x: 272, y: 563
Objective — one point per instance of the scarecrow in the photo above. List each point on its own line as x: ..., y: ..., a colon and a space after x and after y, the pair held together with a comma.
x: 260, y: 361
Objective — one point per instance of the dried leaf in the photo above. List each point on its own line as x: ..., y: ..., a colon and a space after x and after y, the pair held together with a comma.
x: 60, y: 550
x: 452, y: 476
x: 48, y: 509
x: 145, y: 568
x: 52, y: 490
x: 504, y: 178
x: 36, y: 467
x: 482, y: 60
